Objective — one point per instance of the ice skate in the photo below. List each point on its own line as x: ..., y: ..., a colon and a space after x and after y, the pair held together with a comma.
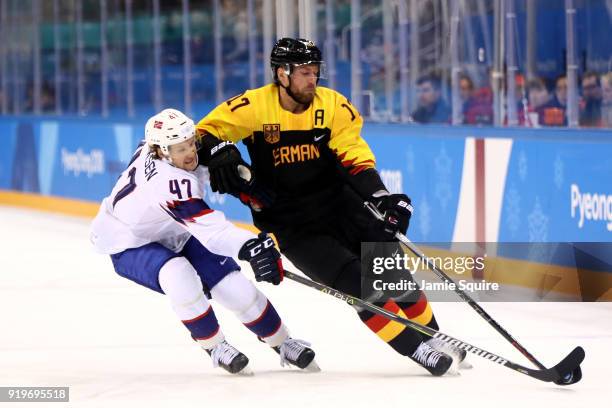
x: 296, y: 352
x: 436, y: 362
x: 455, y: 352
x: 226, y: 356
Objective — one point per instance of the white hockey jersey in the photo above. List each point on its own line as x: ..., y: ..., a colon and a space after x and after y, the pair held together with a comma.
x: 154, y: 201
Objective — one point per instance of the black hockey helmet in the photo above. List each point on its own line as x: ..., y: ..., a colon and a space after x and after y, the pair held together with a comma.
x: 294, y: 51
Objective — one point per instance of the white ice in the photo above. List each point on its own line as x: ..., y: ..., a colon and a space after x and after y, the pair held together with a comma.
x: 68, y: 320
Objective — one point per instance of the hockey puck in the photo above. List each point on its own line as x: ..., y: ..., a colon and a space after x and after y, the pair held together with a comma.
x: 571, y: 378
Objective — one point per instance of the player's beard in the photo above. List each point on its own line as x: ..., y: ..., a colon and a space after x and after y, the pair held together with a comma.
x: 304, y: 98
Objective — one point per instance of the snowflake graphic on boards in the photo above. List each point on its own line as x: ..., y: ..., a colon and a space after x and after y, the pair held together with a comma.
x: 537, y: 223
x: 558, y: 167
x: 424, y: 217
x: 522, y: 165
x: 410, y: 160
x: 442, y: 170
x: 513, y: 210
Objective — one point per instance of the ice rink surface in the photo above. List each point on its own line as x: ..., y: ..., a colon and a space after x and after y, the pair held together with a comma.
x: 69, y: 320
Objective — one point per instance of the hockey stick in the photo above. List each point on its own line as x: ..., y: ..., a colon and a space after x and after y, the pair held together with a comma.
x: 571, y: 378
x: 566, y: 367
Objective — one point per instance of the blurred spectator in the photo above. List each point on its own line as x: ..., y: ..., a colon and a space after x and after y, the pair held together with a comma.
x: 537, y: 97
x: 47, y: 97
x: 561, y: 91
x: 432, y: 107
x: 374, y: 56
x: 466, y: 88
x: 520, y: 95
x: 477, y: 104
x: 590, y: 112
x: 606, y: 105
x: 560, y: 101
x: 543, y: 108
x: 235, y: 12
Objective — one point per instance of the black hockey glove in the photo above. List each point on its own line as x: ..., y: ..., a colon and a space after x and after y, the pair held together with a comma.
x: 265, y: 260
x: 396, y: 210
x: 222, y: 159
x: 230, y: 174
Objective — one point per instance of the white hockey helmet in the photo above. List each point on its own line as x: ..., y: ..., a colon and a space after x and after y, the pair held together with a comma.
x: 167, y: 128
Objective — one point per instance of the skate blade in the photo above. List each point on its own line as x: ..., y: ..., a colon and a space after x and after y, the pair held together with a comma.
x: 313, y: 367
x: 451, y: 373
x: 246, y: 371
x: 453, y: 370
x: 465, y: 365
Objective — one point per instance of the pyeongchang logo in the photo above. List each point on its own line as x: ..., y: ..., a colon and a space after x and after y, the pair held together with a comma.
x: 591, y: 207
x: 80, y: 162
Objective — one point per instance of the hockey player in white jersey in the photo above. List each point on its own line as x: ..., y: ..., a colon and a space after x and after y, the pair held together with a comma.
x: 161, y: 234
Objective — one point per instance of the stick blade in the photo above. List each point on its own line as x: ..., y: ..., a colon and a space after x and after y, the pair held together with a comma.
x: 569, y: 368
x: 566, y: 372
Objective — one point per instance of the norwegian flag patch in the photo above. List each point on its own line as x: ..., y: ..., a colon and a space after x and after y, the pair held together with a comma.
x: 158, y: 124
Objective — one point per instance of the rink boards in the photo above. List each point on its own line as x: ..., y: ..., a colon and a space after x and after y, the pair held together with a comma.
x: 467, y: 184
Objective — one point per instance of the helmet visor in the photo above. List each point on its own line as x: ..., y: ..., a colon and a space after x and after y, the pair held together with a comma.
x: 321, y: 73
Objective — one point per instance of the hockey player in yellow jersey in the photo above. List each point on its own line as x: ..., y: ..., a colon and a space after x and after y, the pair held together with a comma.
x: 311, y: 172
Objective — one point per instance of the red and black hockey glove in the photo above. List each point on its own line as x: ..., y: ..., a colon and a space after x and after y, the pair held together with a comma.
x: 265, y: 260
x: 252, y: 193
x: 396, y: 210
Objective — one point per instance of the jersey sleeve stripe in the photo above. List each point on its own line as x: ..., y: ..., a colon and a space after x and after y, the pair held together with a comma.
x: 355, y: 168
x: 187, y: 210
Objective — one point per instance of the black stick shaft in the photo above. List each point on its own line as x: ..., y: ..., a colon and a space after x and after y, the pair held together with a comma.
x: 566, y: 366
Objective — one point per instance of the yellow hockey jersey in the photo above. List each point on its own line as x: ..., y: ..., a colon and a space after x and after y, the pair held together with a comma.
x: 297, y: 155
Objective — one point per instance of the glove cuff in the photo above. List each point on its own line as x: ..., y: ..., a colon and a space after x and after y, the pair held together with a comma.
x: 381, y: 193
x: 367, y: 183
